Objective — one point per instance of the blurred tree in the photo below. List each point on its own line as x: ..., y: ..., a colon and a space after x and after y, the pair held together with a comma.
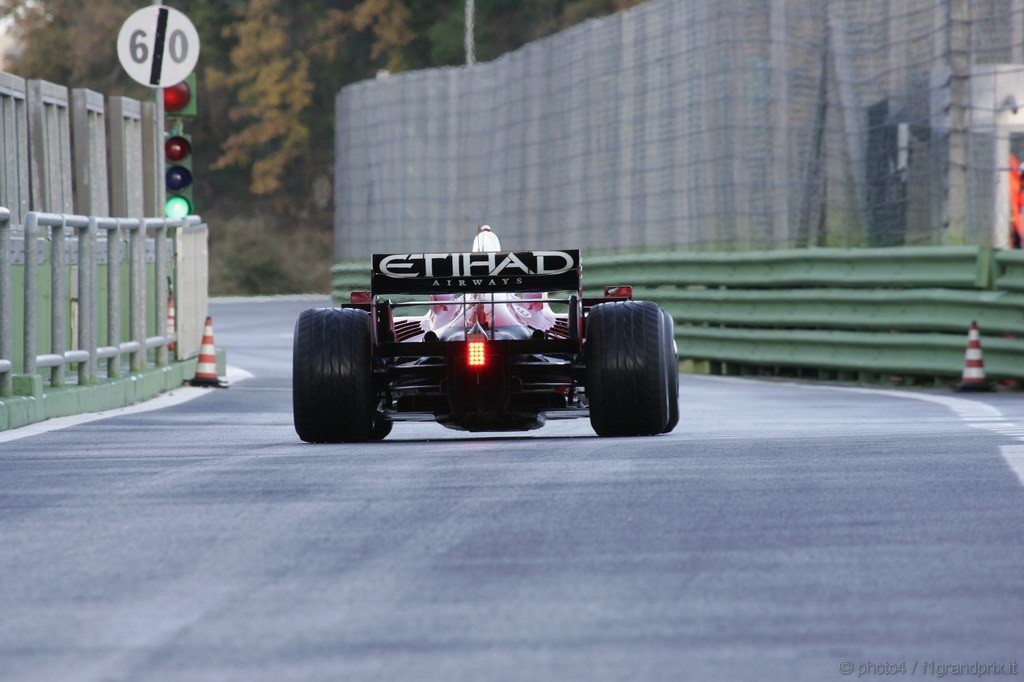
x: 271, y: 87
x: 388, y: 19
x: 68, y: 42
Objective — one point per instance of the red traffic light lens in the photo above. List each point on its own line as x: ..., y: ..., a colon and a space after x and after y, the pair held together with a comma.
x: 177, y: 148
x: 177, y: 97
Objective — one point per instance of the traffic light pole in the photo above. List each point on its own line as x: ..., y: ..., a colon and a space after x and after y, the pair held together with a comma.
x: 161, y: 159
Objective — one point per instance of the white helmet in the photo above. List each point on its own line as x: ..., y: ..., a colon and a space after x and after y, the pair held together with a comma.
x: 486, y: 241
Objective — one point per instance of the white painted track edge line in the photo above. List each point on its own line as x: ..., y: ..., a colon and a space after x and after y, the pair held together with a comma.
x: 973, y: 413
x: 177, y: 396
x: 965, y: 408
x: 1014, y: 456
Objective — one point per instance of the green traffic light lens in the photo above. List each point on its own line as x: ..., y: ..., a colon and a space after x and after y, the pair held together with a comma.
x: 177, y: 207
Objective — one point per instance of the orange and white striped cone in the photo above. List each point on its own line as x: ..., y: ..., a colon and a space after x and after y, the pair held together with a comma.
x: 171, y: 321
x: 206, y: 370
x: 973, y: 377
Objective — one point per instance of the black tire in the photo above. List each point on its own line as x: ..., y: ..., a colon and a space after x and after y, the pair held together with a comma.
x: 672, y: 369
x: 627, y: 387
x: 381, y: 428
x: 333, y: 399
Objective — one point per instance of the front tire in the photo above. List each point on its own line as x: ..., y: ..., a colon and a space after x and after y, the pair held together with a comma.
x: 627, y: 381
x: 333, y: 400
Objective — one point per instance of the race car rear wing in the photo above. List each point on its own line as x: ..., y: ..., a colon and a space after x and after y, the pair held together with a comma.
x: 478, y: 272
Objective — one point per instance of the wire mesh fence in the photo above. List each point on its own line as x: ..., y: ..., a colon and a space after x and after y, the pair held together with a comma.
x: 699, y: 125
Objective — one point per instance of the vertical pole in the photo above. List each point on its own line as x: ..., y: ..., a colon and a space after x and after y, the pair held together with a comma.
x: 137, y: 294
x: 1017, y: 31
x: 160, y: 268
x: 114, y: 299
x: 470, y: 32
x: 58, y: 301
x: 898, y: 29
x: 958, y: 28
x: 6, y: 307
x: 87, y: 300
x: 780, y: 129
x: 31, y: 292
x: 849, y: 104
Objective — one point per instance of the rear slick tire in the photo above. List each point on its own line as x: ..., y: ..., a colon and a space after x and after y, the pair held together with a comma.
x: 627, y: 379
x: 333, y: 400
x: 672, y: 372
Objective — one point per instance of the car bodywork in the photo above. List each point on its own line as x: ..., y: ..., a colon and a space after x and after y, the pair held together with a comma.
x: 485, y: 340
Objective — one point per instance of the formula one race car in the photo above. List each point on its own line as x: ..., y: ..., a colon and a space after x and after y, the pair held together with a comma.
x: 490, y: 353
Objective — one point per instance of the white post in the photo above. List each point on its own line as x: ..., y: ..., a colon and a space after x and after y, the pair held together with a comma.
x: 470, y: 43
x: 161, y: 136
x: 1017, y: 31
x: 958, y: 29
x: 780, y: 120
x: 1001, y: 162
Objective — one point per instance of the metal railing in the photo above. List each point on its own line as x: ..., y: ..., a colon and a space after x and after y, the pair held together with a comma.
x: 56, y: 228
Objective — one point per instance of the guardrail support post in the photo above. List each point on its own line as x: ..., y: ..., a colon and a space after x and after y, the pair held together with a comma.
x: 137, y: 309
x: 31, y: 289
x: 58, y: 294
x: 87, y: 340
x: 160, y: 249
x: 114, y: 298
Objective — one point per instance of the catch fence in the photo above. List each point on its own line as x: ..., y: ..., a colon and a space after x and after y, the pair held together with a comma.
x: 699, y: 125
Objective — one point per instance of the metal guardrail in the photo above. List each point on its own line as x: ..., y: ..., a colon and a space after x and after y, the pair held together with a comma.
x: 1010, y: 270
x: 923, y: 310
x: 963, y: 267
x: 854, y: 352
x: 861, y: 311
x: 55, y: 227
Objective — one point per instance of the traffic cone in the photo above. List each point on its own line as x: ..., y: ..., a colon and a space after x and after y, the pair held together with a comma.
x: 206, y: 370
x: 171, y: 322
x: 973, y: 378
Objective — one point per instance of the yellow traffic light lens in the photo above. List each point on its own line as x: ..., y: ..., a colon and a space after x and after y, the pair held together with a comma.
x: 177, y: 207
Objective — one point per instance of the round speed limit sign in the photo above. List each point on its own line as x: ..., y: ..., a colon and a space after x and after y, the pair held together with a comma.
x: 158, y: 46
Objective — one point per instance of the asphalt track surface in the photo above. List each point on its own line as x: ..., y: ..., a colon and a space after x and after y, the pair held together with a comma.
x: 779, y: 532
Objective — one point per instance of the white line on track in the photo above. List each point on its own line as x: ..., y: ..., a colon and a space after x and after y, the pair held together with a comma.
x: 174, y: 397
x: 1014, y: 455
x: 976, y: 414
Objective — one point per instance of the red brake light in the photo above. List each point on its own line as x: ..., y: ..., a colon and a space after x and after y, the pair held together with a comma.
x: 360, y: 297
x: 476, y: 355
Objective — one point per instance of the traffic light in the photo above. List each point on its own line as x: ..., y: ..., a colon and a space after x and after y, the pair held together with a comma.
x: 178, y: 175
x: 180, y: 99
x: 179, y: 103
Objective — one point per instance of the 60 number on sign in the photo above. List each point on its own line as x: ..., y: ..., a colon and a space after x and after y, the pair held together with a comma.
x: 158, y: 46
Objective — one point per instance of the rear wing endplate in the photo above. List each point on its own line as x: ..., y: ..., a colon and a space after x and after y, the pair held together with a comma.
x: 477, y: 272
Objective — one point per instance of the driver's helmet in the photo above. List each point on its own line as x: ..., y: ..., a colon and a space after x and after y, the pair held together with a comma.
x: 486, y: 241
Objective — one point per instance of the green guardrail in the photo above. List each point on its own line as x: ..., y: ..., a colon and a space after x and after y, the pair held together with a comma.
x: 862, y: 312
x: 1009, y: 270
x: 939, y: 310
x: 937, y: 355
x: 964, y: 267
